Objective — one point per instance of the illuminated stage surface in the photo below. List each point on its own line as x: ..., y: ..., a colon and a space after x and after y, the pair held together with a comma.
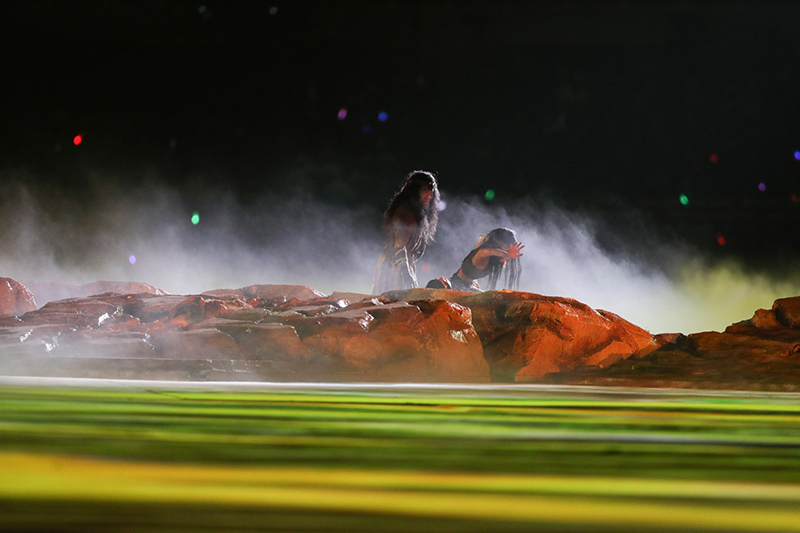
x: 96, y: 455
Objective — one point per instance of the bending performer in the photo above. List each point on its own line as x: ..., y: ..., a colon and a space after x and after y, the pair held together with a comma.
x: 495, y: 252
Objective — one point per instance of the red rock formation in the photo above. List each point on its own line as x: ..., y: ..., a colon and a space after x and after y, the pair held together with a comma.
x: 526, y: 336
x: 119, y: 287
x: 403, y: 341
x: 268, y: 292
x: 74, y: 312
x: 787, y: 311
x: 45, y: 292
x: 150, y: 309
x: 197, y: 308
x: 762, y: 353
x: 268, y: 337
x: 352, y: 297
x: 270, y: 333
x: 15, y: 299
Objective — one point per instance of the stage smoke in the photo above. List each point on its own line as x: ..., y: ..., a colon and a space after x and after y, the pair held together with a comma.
x: 152, y: 234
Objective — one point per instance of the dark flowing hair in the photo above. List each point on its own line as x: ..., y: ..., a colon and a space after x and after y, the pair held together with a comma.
x: 494, y: 239
x: 427, y: 217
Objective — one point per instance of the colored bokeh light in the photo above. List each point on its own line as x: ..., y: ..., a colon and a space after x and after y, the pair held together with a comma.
x: 342, y: 114
x: 78, y: 139
x: 795, y: 198
x: 196, y: 218
x: 762, y: 187
x: 273, y: 10
x: 713, y: 158
x: 132, y: 259
x: 202, y: 9
x: 684, y: 199
x: 382, y: 116
x: 366, y: 128
x: 489, y: 195
x: 797, y: 155
x: 442, y: 205
x: 721, y: 240
x: 426, y: 268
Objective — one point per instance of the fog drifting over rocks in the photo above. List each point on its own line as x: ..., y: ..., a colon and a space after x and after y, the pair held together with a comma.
x: 48, y: 236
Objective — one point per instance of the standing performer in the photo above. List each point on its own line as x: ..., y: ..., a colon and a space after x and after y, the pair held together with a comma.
x: 494, y: 252
x: 410, y: 224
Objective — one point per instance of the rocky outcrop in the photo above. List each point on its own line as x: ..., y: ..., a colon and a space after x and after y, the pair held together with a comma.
x: 268, y: 292
x: 526, y: 336
x: 257, y: 333
x: 761, y: 353
x: 15, y: 299
x: 45, y: 292
x: 787, y: 312
x: 294, y: 333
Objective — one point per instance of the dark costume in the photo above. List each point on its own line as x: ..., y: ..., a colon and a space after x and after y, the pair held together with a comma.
x: 457, y: 283
x: 492, y: 269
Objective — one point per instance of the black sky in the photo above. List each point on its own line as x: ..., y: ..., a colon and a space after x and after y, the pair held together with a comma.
x: 609, y: 107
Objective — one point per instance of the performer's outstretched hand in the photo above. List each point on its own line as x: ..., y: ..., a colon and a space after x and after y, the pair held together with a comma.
x: 515, y: 250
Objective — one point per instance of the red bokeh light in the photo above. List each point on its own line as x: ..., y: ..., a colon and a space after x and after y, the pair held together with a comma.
x: 426, y: 267
x: 77, y: 140
x: 713, y: 158
x: 721, y: 240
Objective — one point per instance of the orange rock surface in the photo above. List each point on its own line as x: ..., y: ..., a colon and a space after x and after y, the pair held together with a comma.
x: 15, y: 299
x: 295, y: 333
x: 261, y: 332
x: 526, y: 336
x: 761, y: 353
x: 45, y: 292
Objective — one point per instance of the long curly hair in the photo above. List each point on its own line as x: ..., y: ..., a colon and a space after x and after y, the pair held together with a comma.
x: 427, y: 217
x: 495, y: 239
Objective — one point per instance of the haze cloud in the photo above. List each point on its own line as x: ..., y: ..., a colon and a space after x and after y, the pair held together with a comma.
x: 48, y: 236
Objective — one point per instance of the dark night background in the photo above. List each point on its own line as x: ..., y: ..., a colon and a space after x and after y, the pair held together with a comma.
x: 611, y: 108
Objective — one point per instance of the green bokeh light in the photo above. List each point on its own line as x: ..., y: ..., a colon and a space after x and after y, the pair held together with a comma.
x: 684, y: 199
x: 195, y: 218
x: 489, y: 195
